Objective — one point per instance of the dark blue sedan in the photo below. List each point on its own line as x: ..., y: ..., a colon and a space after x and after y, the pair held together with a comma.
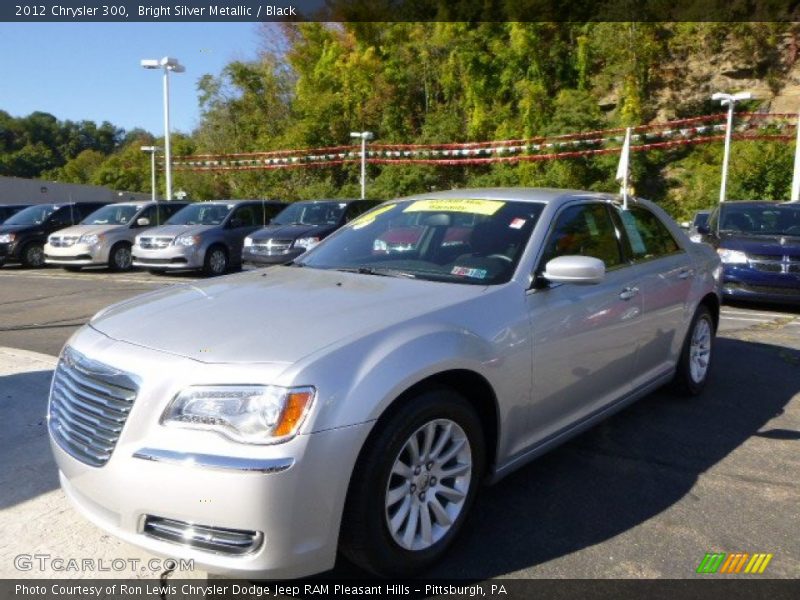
x: 759, y: 244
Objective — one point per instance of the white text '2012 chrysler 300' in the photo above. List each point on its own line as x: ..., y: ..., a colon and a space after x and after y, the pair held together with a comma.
x: 355, y: 399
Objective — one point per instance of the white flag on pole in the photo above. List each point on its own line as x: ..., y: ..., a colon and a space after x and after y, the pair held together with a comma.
x: 624, y: 168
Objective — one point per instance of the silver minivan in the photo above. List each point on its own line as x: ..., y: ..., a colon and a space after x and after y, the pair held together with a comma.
x: 204, y: 235
x: 106, y: 236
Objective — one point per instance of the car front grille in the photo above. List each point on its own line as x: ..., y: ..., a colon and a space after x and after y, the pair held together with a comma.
x: 271, y: 246
x: 154, y: 242
x: 774, y: 263
x: 63, y: 241
x: 89, y: 404
x: 203, y: 537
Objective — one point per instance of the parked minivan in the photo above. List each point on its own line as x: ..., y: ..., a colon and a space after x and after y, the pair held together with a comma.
x: 106, y: 236
x: 300, y: 227
x: 204, y: 235
x: 22, y: 237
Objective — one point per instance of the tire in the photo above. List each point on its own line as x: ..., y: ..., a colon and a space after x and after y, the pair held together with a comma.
x: 33, y: 255
x: 697, y: 355
x: 378, y: 496
x: 120, y: 259
x: 215, y: 262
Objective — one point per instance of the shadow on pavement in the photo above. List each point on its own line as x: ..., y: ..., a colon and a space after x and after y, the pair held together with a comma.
x: 27, y: 468
x: 621, y: 473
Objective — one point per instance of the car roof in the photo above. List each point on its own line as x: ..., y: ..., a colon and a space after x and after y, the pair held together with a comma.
x: 758, y: 203
x: 332, y: 201
x: 540, y: 195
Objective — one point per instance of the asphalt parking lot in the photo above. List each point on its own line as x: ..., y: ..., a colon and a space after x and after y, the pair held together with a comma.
x: 644, y: 495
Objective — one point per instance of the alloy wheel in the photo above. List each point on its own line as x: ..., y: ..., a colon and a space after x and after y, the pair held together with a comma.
x: 428, y: 484
x: 700, y: 350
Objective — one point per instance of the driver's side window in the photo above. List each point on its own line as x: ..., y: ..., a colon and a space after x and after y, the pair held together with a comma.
x: 585, y: 230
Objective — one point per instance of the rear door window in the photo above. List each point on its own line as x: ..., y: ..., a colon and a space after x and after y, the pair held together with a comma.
x: 649, y: 238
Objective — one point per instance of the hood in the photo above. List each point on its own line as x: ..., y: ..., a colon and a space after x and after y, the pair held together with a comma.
x: 761, y: 244
x: 176, y: 230
x: 278, y: 315
x: 292, y: 232
x: 19, y: 228
x: 79, y: 230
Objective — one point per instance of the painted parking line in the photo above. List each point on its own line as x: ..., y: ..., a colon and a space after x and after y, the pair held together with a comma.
x: 757, y: 320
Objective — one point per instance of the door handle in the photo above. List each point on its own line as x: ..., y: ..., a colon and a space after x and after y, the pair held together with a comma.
x: 628, y: 293
x: 685, y: 273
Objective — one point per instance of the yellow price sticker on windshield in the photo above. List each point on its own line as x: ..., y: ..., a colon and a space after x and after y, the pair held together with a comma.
x: 369, y: 217
x: 465, y: 205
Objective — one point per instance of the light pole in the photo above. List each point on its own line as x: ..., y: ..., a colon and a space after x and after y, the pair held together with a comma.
x: 730, y: 100
x: 796, y: 171
x: 167, y: 64
x: 363, y: 136
x: 152, y: 150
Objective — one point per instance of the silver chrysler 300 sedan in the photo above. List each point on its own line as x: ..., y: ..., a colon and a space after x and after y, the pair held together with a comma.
x: 355, y: 399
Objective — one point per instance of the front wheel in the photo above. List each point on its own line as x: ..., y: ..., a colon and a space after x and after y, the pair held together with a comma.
x: 33, y: 255
x: 120, y: 258
x: 695, y: 362
x: 413, y: 485
x: 216, y: 261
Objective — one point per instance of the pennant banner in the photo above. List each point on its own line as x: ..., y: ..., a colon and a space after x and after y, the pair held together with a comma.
x: 671, y: 134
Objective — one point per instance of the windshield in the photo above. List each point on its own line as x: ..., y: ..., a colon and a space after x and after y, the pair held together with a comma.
x: 310, y: 213
x: 701, y: 219
x: 779, y: 219
x: 112, y: 215
x: 201, y: 214
x: 33, y: 215
x: 469, y: 241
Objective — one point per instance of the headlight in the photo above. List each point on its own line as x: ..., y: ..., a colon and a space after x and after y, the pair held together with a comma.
x: 307, y: 242
x: 187, y: 240
x: 253, y: 414
x: 90, y: 239
x: 7, y: 238
x: 732, y: 257
x: 248, y: 241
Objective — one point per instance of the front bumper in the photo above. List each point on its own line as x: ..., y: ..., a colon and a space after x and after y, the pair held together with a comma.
x: 77, y: 254
x: 171, y: 257
x: 260, y: 256
x: 746, y: 284
x: 298, y: 510
x: 9, y: 252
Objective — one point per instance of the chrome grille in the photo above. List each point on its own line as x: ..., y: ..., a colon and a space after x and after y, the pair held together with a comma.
x: 272, y: 246
x: 89, y: 404
x: 63, y: 241
x: 150, y: 242
x: 203, y: 537
x: 769, y: 263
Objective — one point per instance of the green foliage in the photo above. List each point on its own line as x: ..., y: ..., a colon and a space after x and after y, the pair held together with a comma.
x: 438, y: 82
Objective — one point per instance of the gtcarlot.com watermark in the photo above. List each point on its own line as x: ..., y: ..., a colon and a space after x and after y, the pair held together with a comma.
x: 61, y: 564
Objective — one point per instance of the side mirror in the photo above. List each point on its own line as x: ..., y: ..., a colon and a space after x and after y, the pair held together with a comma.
x: 575, y: 269
x: 234, y: 223
x: 703, y: 229
x: 142, y: 222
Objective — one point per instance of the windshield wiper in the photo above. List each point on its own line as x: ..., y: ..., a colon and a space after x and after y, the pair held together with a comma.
x: 381, y: 272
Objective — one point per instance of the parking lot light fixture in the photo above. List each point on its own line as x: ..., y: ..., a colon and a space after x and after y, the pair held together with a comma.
x: 152, y: 150
x: 167, y: 64
x: 363, y: 136
x: 730, y: 100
